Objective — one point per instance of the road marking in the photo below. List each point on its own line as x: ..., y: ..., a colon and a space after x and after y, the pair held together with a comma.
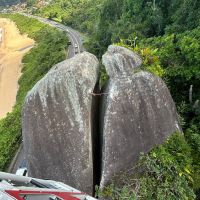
x: 71, y: 33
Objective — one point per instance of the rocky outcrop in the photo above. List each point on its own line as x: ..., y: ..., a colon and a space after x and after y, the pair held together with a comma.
x: 120, y: 61
x: 137, y: 112
x: 57, y: 123
x: 59, y: 119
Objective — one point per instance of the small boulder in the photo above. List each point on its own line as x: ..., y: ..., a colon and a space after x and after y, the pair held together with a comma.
x: 120, y: 61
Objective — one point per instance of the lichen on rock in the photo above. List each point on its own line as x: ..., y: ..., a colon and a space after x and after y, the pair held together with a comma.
x: 120, y: 61
x: 137, y: 113
x: 57, y: 123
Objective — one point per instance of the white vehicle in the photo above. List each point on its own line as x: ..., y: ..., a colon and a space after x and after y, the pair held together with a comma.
x: 22, y: 171
x: 76, y: 46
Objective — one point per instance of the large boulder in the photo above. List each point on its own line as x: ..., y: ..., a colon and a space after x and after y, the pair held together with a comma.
x: 137, y: 113
x: 57, y: 123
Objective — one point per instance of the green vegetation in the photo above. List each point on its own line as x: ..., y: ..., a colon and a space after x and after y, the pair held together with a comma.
x: 143, y: 19
x: 150, y: 60
x: 8, y: 2
x: 178, y: 54
x: 180, y: 58
x: 30, y: 3
x: 80, y: 14
x: 165, y: 173
x: 49, y: 50
x: 166, y: 33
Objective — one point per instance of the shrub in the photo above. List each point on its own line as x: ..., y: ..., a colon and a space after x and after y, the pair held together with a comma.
x: 164, y: 173
x: 150, y: 60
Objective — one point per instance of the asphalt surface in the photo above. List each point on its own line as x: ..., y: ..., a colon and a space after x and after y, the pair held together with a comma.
x: 74, y: 48
x: 74, y: 36
x: 19, y: 161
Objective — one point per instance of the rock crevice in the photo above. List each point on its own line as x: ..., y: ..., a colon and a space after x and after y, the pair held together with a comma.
x: 73, y: 136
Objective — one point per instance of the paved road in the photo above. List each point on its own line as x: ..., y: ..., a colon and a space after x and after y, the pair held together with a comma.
x: 76, y: 47
x: 27, y: 47
x: 19, y: 161
x: 73, y: 35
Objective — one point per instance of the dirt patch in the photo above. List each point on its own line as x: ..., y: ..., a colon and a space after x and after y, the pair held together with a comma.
x: 13, y: 46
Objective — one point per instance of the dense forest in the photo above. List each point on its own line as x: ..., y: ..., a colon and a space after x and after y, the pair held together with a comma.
x: 166, y: 33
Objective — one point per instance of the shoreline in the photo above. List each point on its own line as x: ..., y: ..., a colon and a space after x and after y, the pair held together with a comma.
x: 13, y: 47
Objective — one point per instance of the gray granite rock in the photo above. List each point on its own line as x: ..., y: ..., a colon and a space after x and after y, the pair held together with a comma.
x: 137, y: 113
x: 120, y: 61
x: 57, y: 123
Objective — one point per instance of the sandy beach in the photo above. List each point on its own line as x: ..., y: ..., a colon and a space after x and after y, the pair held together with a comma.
x: 13, y: 46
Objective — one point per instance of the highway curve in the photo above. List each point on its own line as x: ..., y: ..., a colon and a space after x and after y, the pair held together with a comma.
x: 73, y: 35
